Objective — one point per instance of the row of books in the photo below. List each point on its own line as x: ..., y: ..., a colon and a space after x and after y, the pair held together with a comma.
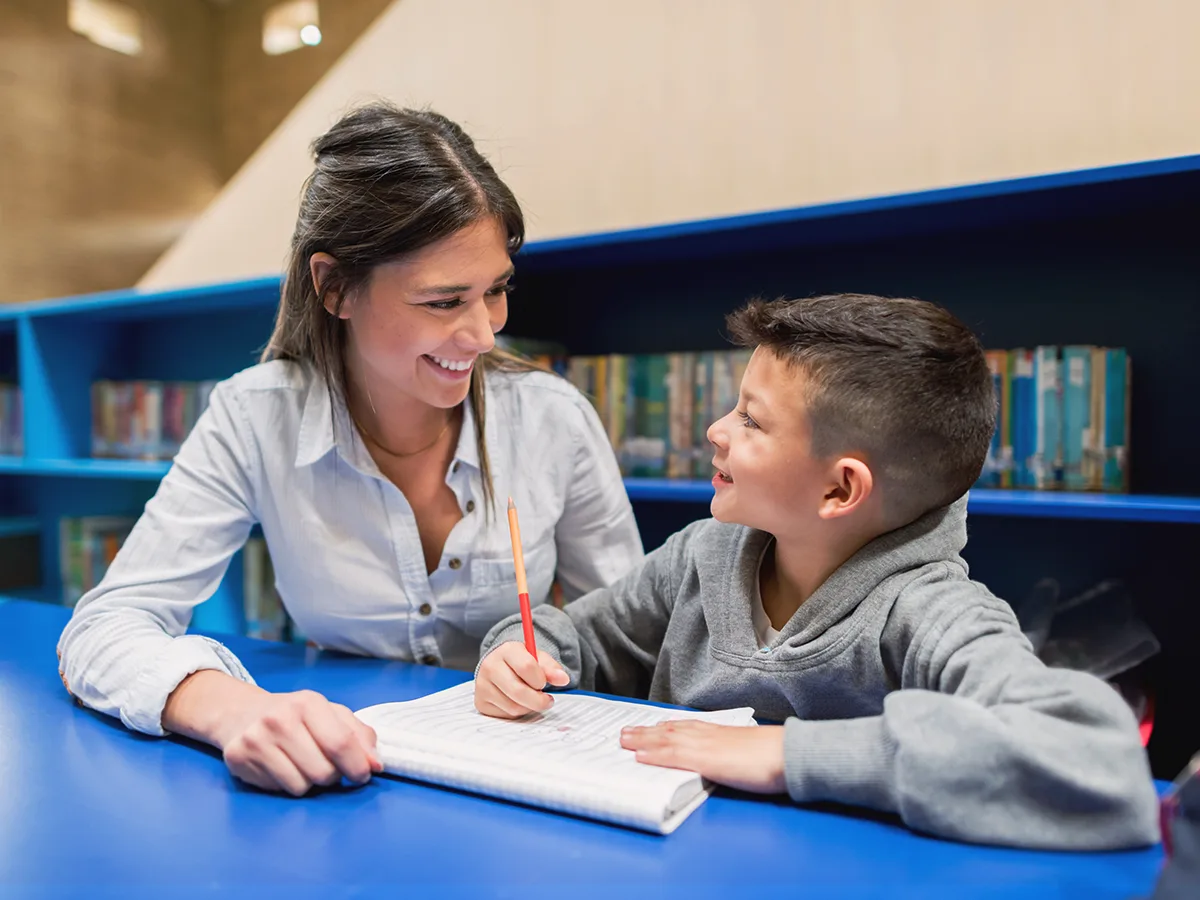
x: 262, y: 609
x: 1063, y: 413
x: 89, y: 544
x: 1063, y: 419
x: 86, y: 547
x: 657, y: 408
x: 12, y: 429
x: 145, y: 419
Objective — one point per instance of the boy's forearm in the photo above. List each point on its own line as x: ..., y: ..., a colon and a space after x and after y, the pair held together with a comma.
x: 1000, y: 775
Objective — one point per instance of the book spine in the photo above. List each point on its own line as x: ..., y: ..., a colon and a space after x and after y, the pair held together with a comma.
x: 655, y: 424
x: 680, y: 395
x: 1024, y: 417
x: 1093, y: 454
x: 702, y: 416
x: 997, y: 361
x: 1048, y: 452
x: 1116, y: 420
x: 1077, y: 385
x: 152, y: 420
x: 618, y: 396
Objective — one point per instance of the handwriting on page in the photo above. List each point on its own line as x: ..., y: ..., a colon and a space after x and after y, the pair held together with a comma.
x: 578, y: 731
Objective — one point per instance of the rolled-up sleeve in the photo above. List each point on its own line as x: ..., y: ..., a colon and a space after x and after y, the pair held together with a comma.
x: 125, y: 649
x: 597, y: 536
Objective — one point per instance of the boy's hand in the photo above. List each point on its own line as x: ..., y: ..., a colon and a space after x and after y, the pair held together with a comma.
x: 510, y: 682
x: 750, y: 759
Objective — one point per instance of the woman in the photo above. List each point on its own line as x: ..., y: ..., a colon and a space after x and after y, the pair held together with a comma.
x: 371, y: 445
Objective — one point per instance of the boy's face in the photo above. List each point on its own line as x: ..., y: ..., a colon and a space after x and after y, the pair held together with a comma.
x: 766, y: 475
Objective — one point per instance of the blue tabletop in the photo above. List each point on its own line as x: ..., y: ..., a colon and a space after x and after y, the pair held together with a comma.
x: 90, y: 809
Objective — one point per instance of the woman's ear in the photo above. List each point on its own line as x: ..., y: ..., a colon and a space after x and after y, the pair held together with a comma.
x: 321, y: 266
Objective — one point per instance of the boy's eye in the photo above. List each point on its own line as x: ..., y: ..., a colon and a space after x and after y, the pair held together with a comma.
x: 747, y: 422
x: 453, y: 303
x: 501, y: 289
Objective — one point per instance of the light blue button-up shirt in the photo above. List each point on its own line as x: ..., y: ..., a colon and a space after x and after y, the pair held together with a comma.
x: 274, y: 448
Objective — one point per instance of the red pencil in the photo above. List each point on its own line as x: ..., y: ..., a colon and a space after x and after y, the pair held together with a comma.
x: 514, y: 531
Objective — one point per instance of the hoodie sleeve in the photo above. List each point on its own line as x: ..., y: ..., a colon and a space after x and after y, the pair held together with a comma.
x: 982, y: 742
x: 609, y: 640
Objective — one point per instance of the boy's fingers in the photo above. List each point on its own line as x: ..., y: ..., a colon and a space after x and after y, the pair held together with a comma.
x: 553, y: 672
x: 493, y: 702
x: 527, y: 668
x: 517, y: 689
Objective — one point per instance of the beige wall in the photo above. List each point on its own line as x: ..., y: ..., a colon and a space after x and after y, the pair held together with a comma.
x: 256, y: 91
x: 105, y: 160
x: 636, y: 112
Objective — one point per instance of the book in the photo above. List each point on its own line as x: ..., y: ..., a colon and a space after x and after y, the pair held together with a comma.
x: 568, y: 759
x: 1047, y: 457
x: 1024, y: 416
x: 1117, y: 380
x: 1077, y: 388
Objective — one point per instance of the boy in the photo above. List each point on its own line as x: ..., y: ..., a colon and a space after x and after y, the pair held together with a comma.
x: 827, y: 591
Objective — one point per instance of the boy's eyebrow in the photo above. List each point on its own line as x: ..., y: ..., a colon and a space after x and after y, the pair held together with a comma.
x: 459, y: 288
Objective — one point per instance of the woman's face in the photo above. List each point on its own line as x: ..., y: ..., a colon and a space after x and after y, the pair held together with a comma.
x: 419, y: 325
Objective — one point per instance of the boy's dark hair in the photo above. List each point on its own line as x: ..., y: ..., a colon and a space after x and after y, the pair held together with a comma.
x: 902, y: 381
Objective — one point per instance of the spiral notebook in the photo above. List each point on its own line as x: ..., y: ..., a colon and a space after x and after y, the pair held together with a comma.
x: 568, y: 759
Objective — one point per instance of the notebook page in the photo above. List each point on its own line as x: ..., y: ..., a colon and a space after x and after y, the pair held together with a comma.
x: 568, y: 758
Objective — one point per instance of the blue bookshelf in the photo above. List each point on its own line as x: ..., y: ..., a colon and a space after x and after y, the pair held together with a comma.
x: 1101, y: 256
x: 985, y: 501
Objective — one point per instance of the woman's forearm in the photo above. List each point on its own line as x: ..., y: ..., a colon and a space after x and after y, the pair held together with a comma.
x: 211, y: 707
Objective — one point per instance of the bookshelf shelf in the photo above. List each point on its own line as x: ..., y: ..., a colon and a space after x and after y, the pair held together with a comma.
x: 983, y: 501
x: 20, y: 525
x: 129, y: 469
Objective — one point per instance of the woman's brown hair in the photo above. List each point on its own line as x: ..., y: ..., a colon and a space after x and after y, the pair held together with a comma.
x: 388, y: 181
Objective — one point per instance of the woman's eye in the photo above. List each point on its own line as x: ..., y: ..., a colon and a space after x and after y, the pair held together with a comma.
x: 500, y: 289
x: 446, y: 304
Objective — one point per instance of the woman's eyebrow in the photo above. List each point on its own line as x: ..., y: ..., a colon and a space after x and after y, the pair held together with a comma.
x: 460, y: 288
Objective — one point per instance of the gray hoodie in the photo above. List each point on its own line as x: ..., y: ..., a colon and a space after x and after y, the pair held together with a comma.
x: 904, y: 686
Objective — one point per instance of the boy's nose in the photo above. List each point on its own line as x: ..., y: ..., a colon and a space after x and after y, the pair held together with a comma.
x: 716, y: 432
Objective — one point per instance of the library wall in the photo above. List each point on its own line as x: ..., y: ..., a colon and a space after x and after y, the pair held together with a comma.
x: 255, y: 91
x: 104, y: 158
x: 641, y: 112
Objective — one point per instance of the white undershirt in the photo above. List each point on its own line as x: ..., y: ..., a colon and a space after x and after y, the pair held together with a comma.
x: 763, y: 631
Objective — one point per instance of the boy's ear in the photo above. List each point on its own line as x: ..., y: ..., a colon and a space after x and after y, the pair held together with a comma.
x: 850, y: 486
x: 321, y: 266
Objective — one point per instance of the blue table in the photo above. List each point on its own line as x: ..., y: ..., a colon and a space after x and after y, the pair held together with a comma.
x: 90, y: 809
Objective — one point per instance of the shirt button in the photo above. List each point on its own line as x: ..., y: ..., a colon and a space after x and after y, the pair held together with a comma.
x: 429, y: 660
x: 456, y: 563
x: 470, y: 506
x: 425, y: 609
x: 454, y: 468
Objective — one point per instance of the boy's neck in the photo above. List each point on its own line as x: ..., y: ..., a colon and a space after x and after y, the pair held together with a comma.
x: 794, y: 569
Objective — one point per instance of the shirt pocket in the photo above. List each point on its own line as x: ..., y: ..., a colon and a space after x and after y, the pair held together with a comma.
x: 494, y: 586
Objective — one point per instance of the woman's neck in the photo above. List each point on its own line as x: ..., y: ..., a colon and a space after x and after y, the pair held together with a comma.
x: 400, y: 425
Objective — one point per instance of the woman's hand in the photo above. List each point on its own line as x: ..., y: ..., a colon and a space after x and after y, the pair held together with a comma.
x: 278, y: 742
x: 510, y: 682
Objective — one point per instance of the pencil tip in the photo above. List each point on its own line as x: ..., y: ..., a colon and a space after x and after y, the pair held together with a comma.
x: 511, y: 505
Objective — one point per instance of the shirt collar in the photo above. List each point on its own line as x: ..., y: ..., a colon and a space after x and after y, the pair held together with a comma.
x: 316, y: 422
x: 467, y: 452
x: 318, y: 437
